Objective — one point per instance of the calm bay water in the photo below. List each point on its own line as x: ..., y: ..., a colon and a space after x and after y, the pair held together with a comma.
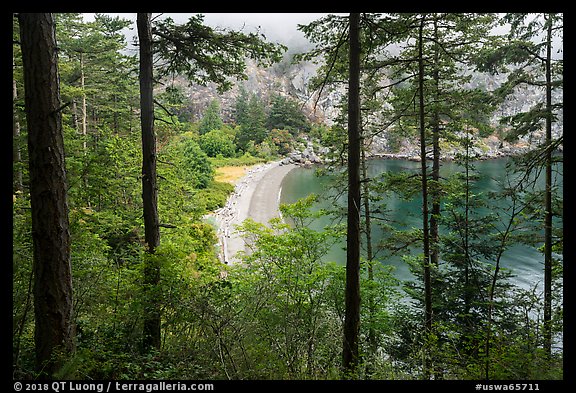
x: 525, y: 262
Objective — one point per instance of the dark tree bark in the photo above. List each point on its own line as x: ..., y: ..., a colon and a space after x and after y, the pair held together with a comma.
x: 352, y: 314
x: 372, y: 343
x: 435, y: 190
x: 424, y: 174
x: 548, y: 196
x: 425, y: 212
x: 16, y: 156
x: 152, y: 318
x: 54, y: 328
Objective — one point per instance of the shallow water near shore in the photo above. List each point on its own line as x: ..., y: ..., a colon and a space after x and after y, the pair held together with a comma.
x: 524, y: 261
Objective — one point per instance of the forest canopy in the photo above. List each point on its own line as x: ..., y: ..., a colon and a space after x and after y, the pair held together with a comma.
x: 116, y: 260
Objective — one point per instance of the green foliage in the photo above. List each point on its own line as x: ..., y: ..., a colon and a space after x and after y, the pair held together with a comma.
x: 174, y: 104
x: 241, y: 106
x: 211, y: 119
x: 22, y: 306
x: 291, y: 294
x: 286, y: 114
x: 196, y: 168
x: 217, y: 54
x: 268, y: 132
x: 245, y: 159
x: 218, y: 143
x: 253, y: 123
x: 215, y: 195
x: 93, y: 66
x: 279, y: 314
x: 282, y: 140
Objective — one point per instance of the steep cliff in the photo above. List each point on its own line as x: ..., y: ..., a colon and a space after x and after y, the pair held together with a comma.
x: 292, y: 80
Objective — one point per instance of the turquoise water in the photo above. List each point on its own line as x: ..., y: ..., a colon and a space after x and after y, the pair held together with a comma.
x: 525, y: 262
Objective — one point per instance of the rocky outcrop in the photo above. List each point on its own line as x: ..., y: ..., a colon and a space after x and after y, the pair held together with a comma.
x: 482, y: 148
x: 305, y: 157
x: 292, y: 80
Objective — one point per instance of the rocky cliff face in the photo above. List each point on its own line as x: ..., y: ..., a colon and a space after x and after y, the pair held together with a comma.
x: 282, y: 78
x: 292, y: 80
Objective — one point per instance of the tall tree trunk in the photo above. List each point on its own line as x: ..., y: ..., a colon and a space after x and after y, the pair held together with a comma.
x: 84, y: 106
x: 466, y: 241
x: 352, y: 296
x: 372, y: 344
x: 151, y: 333
x: 16, y: 156
x: 74, y: 110
x: 548, y: 197
x: 84, y: 131
x: 424, y: 174
x: 54, y: 329
x: 435, y: 189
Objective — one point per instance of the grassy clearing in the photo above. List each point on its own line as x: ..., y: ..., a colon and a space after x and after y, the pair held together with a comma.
x: 231, y: 174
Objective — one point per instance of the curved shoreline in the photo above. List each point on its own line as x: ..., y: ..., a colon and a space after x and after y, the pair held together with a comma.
x: 255, y: 196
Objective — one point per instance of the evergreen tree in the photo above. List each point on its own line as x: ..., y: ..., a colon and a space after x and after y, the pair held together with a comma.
x: 241, y: 106
x: 429, y: 95
x: 92, y: 61
x: 204, y: 54
x: 152, y: 316
x: 350, y: 353
x: 280, y: 314
x: 53, y: 298
x: 220, y: 57
x: 87, y: 50
x: 529, y: 49
x: 211, y: 119
x: 253, y: 126
x: 285, y: 114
